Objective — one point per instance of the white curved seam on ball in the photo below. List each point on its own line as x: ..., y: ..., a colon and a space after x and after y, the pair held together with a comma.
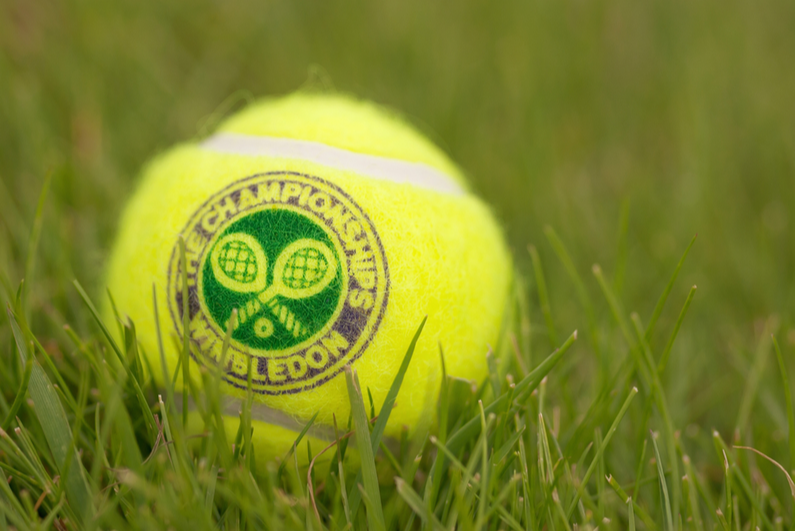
x: 232, y: 407
x: 394, y: 170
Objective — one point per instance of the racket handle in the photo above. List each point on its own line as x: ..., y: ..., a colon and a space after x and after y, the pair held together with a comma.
x: 286, y: 318
x: 247, y: 311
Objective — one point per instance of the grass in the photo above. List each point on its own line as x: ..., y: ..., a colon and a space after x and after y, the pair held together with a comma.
x: 605, y: 132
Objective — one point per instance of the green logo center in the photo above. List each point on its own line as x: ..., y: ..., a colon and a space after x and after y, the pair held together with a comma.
x: 280, y: 270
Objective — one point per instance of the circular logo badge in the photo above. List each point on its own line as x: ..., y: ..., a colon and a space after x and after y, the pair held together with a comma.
x: 303, y: 266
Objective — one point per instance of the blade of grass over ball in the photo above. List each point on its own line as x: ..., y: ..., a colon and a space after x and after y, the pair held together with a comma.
x: 148, y: 416
x: 788, y: 398
x: 667, y: 291
x: 297, y: 441
x: 386, y: 409
x: 118, y: 422
x: 438, y: 467
x: 494, y: 374
x: 131, y: 350
x: 162, y: 352
x: 212, y: 388
x: 459, y: 438
x: 372, y: 404
x: 117, y: 317
x: 391, y: 396
x: 95, y: 314
x: 543, y: 296
x: 246, y: 413
x: 375, y: 516
x: 135, y: 369
x: 55, y: 426
x: 444, y: 397
x: 600, y: 451
x: 667, y: 352
x: 185, y: 327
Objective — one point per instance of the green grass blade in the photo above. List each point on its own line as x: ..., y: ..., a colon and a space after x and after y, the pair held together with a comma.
x: 147, y: 411
x: 692, y: 496
x: 637, y: 509
x: 185, y: 330
x: 529, y: 383
x: 298, y: 440
x: 667, y: 291
x: 667, y: 352
x: 391, y: 396
x: 386, y: 410
x: 728, y: 488
x: 21, y: 394
x: 528, y: 510
x: 377, y: 525
x: 788, y: 399
x: 600, y: 451
x: 35, y: 232
x: 375, y: 517
x: 55, y: 426
x: 665, y: 501
x: 543, y: 296
x: 414, y: 501
x: 579, y: 285
x: 755, y: 375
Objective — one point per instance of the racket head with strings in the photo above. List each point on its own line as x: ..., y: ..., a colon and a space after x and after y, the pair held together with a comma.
x: 303, y: 269
x: 239, y: 263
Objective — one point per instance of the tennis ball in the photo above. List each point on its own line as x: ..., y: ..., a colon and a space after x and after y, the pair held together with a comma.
x: 333, y: 228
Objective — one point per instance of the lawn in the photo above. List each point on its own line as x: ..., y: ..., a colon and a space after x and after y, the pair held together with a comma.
x: 640, y: 156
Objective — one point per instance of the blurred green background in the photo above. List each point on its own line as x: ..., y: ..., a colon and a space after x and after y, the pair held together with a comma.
x: 679, y: 114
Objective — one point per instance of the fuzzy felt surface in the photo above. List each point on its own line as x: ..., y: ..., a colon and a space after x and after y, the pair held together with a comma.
x: 446, y: 258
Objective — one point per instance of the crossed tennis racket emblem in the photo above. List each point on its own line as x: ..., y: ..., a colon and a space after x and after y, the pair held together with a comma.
x: 303, y: 269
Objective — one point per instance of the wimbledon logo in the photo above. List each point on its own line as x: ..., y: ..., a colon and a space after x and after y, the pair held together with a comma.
x: 302, y: 265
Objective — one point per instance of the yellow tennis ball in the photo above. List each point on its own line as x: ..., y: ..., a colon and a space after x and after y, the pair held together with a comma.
x: 333, y: 228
